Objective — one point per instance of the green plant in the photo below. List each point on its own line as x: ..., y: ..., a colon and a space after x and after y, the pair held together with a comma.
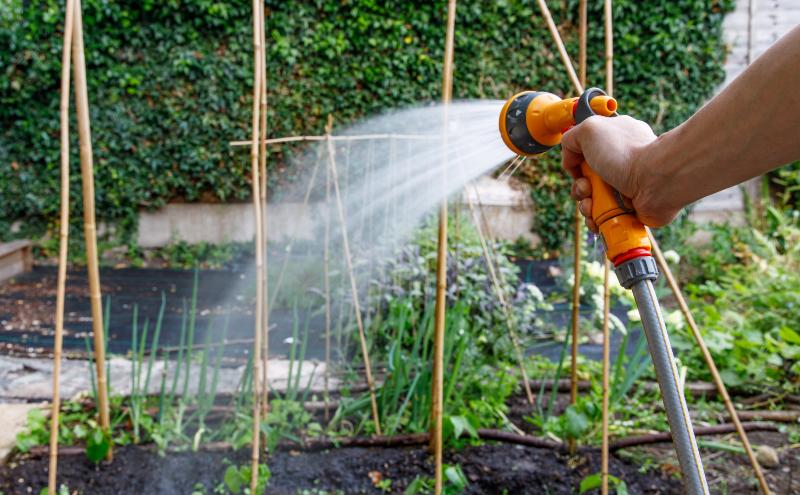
x: 455, y: 482
x: 203, y: 255
x: 62, y: 490
x: 36, y: 431
x: 237, y: 479
x: 746, y: 304
x: 594, y: 481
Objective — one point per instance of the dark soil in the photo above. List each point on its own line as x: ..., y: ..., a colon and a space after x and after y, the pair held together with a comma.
x: 730, y: 473
x: 491, y: 469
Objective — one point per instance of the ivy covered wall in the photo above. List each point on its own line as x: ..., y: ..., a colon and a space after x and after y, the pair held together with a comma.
x: 170, y: 84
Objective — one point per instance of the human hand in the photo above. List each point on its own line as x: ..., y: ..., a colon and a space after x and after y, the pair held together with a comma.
x: 616, y: 148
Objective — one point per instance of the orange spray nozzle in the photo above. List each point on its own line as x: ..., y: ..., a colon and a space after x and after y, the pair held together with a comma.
x: 603, y: 105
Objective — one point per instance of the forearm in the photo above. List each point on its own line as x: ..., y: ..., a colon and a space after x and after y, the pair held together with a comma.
x: 751, y: 127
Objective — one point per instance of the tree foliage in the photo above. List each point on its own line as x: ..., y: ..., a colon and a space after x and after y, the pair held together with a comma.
x: 170, y: 82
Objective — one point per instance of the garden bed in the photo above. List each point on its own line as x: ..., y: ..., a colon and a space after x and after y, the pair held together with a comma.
x: 488, y: 469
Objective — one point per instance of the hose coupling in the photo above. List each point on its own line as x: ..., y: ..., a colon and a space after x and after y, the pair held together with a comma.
x: 635, y: 270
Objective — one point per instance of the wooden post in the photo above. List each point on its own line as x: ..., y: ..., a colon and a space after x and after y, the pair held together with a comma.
x: 709, y: 360
x: 578, y: 236
x: 89, y: 226
x: 63, y: 244
x: 259, y: 241
x: 437, y: 405
x: 262, y: 154
x: 353, y: 288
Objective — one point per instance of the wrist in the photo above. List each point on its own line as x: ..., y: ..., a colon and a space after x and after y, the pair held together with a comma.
x: 655, y: 170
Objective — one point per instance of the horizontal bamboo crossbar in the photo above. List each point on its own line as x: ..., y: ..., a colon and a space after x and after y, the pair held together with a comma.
x: 361, y: 137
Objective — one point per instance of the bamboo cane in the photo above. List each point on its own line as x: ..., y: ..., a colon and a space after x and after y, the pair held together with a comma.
x: 262, y: 154
x: 495, y: 277
x: 709, y: 360
x: 437, y: 405
x: 89, y: 226
x: 582, y: 28
x: 353, y: 288
x: 606, y: 373
x: 359, y: 137
x: 562, y: 50
x: 609, y: 64
x: 63, y: 243
x: 327, y: 289
x: 259, y: 257
x: 578, y: 236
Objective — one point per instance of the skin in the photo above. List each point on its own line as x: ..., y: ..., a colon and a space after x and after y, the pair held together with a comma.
x: 750, y: 128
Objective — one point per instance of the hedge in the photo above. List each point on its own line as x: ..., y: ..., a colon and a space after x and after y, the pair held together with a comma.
x: 170, y: 83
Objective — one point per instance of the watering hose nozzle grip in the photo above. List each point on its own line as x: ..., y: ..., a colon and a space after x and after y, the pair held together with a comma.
x: 624, y: 236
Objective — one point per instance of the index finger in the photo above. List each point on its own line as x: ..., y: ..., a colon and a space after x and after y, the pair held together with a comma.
x: 571, y: 152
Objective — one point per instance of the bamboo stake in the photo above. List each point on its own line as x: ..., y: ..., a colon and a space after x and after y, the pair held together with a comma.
x: 582, y: 28
x: 63, y: 244
x: 562, y: 50
x: 609, y: 63
x: 327, y: 289
x: 89, y: 226
x: 495, y: 277
x: 354, y: 290
x: 709, y: 360
x: 606, y: 373
x: 262, y: 154
x: 578, y: 236
x: 437, y: 404
x: 254, y: 162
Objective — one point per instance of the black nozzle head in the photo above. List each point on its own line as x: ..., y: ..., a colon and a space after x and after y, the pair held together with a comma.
x: 516, y: 130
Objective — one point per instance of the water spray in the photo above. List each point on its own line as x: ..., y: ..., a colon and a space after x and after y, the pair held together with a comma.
x: 531, y: 123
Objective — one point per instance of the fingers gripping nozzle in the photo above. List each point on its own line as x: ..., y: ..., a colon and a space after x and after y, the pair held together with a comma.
x: 532, y: 122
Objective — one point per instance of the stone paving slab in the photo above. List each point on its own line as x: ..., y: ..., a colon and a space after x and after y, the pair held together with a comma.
x: 12, y: 418
x: 31, y: 379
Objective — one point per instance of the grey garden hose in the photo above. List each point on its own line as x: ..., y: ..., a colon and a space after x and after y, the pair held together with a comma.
x: 680, y: 423
x: 637, y: 275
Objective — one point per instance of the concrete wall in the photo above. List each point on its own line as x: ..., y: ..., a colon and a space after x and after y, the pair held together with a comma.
x: 753, y: 27
x: 505, y: 206
x: 219, y: 223
x: 749, y: 30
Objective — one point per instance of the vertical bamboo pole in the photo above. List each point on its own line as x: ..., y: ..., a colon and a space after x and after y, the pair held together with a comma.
x: 259, y: 240
x: 582, y: 28
x: 441, y: 266
x: 326, y: 282
x: 353, y: 288
x: 578, y: 236
x: 63, y: 243
x: 496, y: 276
x: 609, y: 59
x: 606, y: 372
x: 712, y: 367
x: 262, y: 155
x: 89, y: 226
